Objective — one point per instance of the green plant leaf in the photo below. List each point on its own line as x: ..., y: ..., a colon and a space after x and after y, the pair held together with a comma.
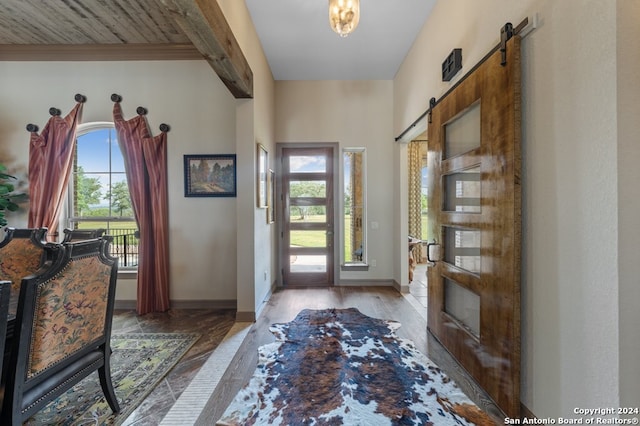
x: 8, y: 198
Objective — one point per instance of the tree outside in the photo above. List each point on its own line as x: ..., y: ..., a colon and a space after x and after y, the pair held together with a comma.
x: 88, y: 192
x: 307, y: 189
x: 119, y: 198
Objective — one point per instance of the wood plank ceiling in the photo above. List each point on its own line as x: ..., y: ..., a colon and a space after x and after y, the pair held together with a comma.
x: 104, y: 30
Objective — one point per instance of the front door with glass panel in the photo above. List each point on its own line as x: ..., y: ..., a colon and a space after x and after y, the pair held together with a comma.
x: 474, y: 216
x: 307, y: 228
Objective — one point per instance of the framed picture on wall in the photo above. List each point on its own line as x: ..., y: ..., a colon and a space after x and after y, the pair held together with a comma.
x: 261, y: 171
x: 210, y: 175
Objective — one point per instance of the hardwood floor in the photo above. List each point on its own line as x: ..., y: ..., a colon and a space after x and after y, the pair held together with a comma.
x: 235, y: 368
x: 284, y: 305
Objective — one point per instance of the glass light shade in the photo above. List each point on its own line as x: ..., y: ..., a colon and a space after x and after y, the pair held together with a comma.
x: 344, y: 16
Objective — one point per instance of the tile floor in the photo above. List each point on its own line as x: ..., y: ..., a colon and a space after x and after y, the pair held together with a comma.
x: 213, y: 325
x: 418, y: 287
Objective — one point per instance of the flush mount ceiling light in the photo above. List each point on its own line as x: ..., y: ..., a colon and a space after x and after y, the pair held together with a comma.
x: 344, y: 16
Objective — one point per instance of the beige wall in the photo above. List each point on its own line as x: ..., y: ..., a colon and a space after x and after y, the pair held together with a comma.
x: 354, y: 114
x: 220, y: 247
x: 256, y: 269
x: 572, y: 331
x: 189, y: 97
x: 628, y: 85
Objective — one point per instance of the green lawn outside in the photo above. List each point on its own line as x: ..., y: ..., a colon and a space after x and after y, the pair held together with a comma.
x: 115, y: 229
x: 318, y: 239
x: 102, y: 224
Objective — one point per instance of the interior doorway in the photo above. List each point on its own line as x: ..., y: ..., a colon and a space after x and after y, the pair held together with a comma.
x: 417, y: 217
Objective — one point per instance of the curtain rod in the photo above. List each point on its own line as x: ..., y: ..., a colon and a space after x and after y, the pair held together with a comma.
x: 516, y: 31
x: 55, y: 112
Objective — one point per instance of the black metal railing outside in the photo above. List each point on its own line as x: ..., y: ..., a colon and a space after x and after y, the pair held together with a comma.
x: 125, y: 246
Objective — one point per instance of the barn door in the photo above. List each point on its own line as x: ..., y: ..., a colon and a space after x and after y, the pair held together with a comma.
x: 474, y: 218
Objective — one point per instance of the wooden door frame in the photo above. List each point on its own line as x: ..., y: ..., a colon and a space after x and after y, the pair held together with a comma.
x: 337, y: 223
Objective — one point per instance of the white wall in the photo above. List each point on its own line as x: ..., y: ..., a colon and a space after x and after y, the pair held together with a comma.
x: 189, y: 97
x: 354, y: 114
x: 570, y: 320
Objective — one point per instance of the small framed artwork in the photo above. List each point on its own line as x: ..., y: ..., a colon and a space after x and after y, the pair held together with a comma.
x: 271, y: 187
x: 210, y: 175
x: 261, y: 170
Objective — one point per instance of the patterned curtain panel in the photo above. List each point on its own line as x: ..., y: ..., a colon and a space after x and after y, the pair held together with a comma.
x: 145, y: 160
x: 415, y: 198
x: 50, y: 163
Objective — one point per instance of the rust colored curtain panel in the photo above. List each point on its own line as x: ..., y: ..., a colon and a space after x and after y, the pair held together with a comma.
x: 50, y: 163
x: 145, y: 160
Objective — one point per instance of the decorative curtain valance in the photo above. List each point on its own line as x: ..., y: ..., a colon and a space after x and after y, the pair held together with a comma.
x: 145, y: 159
x: 50, y: 163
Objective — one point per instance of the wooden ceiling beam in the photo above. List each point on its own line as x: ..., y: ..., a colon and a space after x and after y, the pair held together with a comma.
x: 98, y: 52
x: 205, y: 25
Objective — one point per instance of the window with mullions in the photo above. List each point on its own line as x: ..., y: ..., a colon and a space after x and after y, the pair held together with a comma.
x: 99, y: 194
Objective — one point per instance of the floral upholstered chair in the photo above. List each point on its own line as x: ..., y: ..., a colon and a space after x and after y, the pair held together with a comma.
x: 22, y: 252
x: 63, y: 329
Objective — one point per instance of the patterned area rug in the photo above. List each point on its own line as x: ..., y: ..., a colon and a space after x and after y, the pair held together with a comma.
x: 340, y: 367
x: 138, y: 363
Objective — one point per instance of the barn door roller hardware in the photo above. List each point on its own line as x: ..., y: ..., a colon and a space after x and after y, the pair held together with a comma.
x: 432, y: 104
x: 505, y: 35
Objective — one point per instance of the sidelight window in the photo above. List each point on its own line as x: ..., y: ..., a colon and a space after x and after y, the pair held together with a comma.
x: 354, y: 207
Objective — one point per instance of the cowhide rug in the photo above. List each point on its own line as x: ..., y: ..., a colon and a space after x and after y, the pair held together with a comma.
x: 340, y: 367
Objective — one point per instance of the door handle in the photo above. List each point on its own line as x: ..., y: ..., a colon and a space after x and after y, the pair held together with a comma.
x: 433, y: 252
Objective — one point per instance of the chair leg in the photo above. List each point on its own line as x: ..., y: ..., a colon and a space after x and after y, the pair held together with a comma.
x: 104, y: 373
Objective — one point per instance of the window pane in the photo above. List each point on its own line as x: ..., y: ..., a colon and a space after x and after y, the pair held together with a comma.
x: 308, y: 263
x: 118, y: 197
x: 307, y: 238
x: 307, y: 188
x: 317, y: 214
x: 93, y: 151
x: 307, y: 164
x: 89, y: 194
x: 462, y: 191
x: 117, y: 161
x: 463, y: 248
x: 463, y: 305
x: 354, y: 206
x: 354, y: 235
x: 462, y: 134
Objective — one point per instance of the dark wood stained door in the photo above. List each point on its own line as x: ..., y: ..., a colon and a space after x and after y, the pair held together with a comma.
x: 307, y: 254
x: 474, y: 163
